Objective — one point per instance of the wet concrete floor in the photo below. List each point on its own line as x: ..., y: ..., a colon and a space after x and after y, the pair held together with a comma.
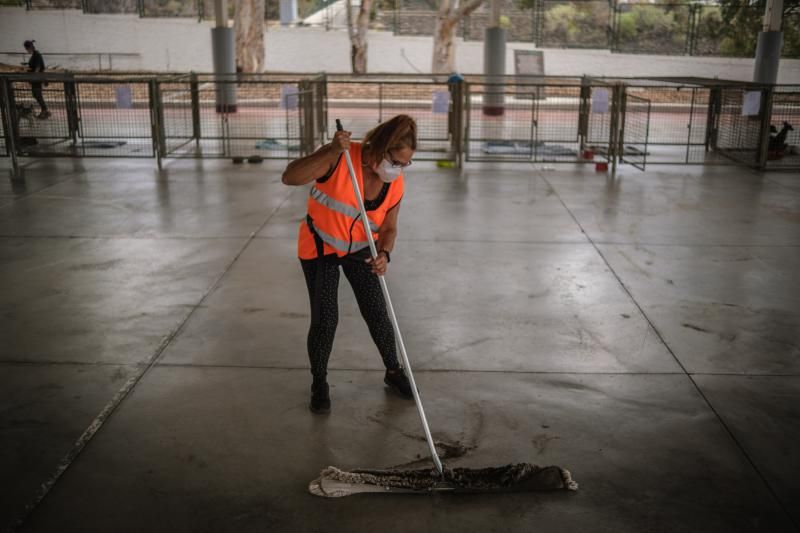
x: 643, y: 332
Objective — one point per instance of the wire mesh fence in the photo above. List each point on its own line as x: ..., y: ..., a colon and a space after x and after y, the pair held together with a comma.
x: 36, y: 135
x: 111, y: 6
x: 739, y: 124
x: 262, y: 118
x: 520, y: 24
x: 783, y: 147
x: 712, y: 35
x: 53, y: 4
x: 539, y: 121
x: 674, y: 28
x: 636, y: 130
x: 572, y: 24
x: 4, y: 120
x: 170, y: 8
x: 364, y: 103
x: 512, y: 118
x: 113, y: 118
x: 83, y: 62
x: 677, y: 122
x: 601, y: 107
x: 415, y: 18
x: 652, y: 28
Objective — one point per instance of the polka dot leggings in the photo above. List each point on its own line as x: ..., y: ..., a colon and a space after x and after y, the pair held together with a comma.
x: 323, y: 295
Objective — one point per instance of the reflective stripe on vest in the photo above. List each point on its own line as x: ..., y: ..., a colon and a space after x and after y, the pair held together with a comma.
x: 339, y: 207
x: 342, y: 246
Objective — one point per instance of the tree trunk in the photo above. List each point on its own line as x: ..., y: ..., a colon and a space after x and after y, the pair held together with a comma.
x: 248, y: 24
x: 358, y: 35
x: 444, y: 57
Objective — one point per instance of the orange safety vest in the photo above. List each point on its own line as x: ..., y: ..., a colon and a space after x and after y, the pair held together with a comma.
x: 333, y: 213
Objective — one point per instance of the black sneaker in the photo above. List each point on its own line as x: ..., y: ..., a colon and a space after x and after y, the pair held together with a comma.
x: 397, y: 381
x: 320, y: 400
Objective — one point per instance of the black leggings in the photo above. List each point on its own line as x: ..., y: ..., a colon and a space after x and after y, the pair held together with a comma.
x: 323, y: 295
x: 36, y: 89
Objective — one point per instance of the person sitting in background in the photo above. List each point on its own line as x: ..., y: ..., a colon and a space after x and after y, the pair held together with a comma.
x: 36, y: 64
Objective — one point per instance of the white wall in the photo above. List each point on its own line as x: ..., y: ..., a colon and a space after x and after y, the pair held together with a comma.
x: 185, y: 44
x: 164, y: 44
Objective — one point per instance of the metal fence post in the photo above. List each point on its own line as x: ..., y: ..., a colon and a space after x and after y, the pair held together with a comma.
x: 195, y: 92
x: 307, y: 144
x: 9, y: 125
x: 456, y: 122
x: 611, y: 25
x: 380, y: 103
x: 319, y: 106
x: 324, y: 105
x: 764, y: 133
x: 695, y: 12
x: 583, y: 113
x: 538, y: 22
x: 712, y: 118
x: 466, y: 117
x: 71, y: 104
x: 617, y: 139
x: 156, y: 122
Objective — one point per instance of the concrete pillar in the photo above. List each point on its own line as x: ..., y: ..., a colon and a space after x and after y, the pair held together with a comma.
x: 770, y: 41
x: 288, y: 12
x: 223, y: 47
x: 494, y: 67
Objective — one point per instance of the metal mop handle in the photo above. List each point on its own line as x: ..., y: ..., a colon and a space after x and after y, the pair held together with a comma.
x: 373, y: 250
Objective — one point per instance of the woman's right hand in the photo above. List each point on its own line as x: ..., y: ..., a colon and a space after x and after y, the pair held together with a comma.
x: 341, y: 141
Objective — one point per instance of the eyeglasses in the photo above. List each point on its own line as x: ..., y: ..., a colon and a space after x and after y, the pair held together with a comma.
x: 397, y: 164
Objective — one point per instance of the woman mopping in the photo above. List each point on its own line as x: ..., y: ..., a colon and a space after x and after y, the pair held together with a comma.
x: 333, y: 236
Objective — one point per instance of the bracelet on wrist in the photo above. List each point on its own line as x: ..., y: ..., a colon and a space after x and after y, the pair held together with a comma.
x: 388, y: 257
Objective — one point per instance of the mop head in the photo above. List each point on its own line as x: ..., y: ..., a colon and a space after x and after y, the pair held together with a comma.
x: 520, y: 477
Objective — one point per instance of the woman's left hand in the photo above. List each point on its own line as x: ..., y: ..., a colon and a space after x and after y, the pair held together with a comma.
x: 379, y: 264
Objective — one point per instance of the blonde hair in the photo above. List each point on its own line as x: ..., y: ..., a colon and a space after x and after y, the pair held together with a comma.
x: 395, y: 134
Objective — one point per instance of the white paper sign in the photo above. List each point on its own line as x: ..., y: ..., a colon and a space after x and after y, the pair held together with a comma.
x: 752, y: 103
x: 289, y: 96
x: 600, y: 101
x: 441, y: 102
x: 124, y: 97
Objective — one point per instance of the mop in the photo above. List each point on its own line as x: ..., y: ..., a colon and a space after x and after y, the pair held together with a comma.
x: 334, y: 483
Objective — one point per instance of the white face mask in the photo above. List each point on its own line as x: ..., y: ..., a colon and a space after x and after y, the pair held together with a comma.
x: 387, y: 173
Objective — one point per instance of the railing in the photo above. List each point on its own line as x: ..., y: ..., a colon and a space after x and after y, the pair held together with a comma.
x: 636, y: 121
x: 675, y: 28
x: 80, y: 60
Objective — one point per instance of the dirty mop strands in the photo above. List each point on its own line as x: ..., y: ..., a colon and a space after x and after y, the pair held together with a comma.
x: 335, y: 483
x: 521, y: 477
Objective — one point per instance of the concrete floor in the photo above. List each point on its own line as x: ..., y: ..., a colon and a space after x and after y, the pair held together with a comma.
x: 642, y: 332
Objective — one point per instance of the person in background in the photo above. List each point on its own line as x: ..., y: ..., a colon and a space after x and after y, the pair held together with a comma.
x: 36, y: 64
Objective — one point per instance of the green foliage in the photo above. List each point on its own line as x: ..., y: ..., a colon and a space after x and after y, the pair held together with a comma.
x: 576, y: 24
x: 653, y: 28
x: 728, y: 29
x: 742, y: 22
x: 791, y: 38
